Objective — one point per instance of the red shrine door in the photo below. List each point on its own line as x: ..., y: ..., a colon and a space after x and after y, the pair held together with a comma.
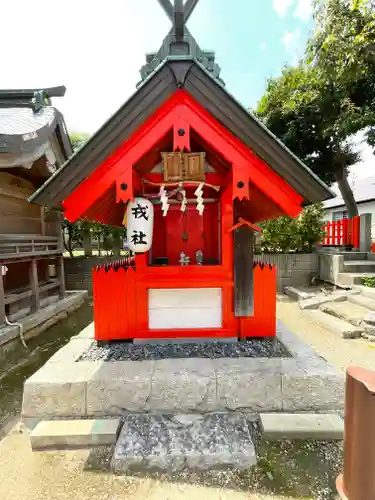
x: 185, y: 233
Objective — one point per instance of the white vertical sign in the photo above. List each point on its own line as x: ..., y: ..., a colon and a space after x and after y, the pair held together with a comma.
x: 140, y: 223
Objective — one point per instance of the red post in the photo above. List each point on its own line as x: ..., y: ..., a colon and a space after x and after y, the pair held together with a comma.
x: 339, y: 233
x: 355, y: 232
x: 335, y: 233
x: 345, y: 232
x: 329, y: 233
x: 325, y: 235
x: 357, y: 482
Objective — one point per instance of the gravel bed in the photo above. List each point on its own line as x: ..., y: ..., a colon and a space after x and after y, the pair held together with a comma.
x: 122, y: 351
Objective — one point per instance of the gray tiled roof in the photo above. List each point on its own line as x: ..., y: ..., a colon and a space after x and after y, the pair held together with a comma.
x: 363, y: 189
x: 28, y: 121
x: 20, y: 121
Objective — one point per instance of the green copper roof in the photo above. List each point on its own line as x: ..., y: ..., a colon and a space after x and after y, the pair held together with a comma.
x: 180, y: 42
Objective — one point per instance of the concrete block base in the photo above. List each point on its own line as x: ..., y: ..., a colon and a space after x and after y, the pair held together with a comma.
x: 57, y: 434
x: 279, y: 426
x: 65, y: 387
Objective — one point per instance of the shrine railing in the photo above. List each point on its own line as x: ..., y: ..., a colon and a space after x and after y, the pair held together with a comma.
x: 344, y: 232
x: 17, y: 246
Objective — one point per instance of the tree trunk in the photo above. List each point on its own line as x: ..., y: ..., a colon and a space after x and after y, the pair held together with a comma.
x: 116, y: 245
x: 346, y: 192
x: 87, y: 244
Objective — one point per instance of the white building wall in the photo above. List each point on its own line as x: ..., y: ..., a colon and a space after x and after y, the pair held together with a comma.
x: 367, y: 207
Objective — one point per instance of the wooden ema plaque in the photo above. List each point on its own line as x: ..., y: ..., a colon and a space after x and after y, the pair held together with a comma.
x: 183, y: 166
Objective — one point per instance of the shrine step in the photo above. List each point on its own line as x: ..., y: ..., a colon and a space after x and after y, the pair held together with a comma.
x: 172, y: 443
x: 80, y: 433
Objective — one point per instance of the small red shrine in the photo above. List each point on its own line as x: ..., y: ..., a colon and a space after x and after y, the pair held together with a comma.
x: 191, y: 173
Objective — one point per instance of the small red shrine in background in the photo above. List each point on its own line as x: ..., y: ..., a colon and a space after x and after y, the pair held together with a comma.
x: 190, y: 173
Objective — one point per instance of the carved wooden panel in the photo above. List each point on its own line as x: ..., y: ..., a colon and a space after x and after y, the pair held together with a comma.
x: 183, y: 166
x: 173, y: 166
x: 194, y: 166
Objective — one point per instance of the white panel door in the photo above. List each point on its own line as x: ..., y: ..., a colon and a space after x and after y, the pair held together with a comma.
x: 184, y: 308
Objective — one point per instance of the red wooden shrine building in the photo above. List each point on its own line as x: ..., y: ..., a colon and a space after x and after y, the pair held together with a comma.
x: 190, y: 172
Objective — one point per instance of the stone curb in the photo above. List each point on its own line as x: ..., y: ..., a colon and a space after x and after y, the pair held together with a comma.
x: 56, y: 434
x: 289, y: 426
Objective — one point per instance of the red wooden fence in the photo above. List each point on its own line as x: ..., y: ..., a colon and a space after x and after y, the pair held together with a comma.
x: 115, y: 303
x: 114, y: 299
x: 344, y: 232
x: 263, y: 322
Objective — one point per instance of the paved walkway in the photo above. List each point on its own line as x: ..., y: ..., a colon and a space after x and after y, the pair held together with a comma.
x: 66, y: 475
x: 336, y: 350
x: 63, y: 476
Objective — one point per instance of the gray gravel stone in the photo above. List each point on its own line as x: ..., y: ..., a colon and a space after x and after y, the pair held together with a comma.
x: 173, y: 443
x: 120, y: 351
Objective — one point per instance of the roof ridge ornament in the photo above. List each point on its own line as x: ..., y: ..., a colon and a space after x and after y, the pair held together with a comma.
x: 179, y: 14
x: 179, y: 41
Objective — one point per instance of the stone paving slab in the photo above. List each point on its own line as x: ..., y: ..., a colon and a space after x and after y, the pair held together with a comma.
x: 289, y: 426
x: 56, y: 434
x: 335, y: 325
x: 172, y: 443
x: 366, y: 302
x: 320, y: 299
x: 351, y: 313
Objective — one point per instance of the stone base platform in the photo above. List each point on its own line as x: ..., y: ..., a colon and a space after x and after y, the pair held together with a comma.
x: 172, y: 443
x: 64, y: 387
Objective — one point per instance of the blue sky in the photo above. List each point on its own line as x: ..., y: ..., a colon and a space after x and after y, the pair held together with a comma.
x: 253, y: 39
x: 96, y: 48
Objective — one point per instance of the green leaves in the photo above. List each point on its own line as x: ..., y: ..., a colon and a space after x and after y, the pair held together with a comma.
x: 317, y: 107
x: 78, y: 139
x: 293, y: 235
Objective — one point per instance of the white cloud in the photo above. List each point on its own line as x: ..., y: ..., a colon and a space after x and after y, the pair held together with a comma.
x: 290, y: 40
x: 263, y: 46
x: 366, y: 167
x: 303, y: 10
x: 282, y: 6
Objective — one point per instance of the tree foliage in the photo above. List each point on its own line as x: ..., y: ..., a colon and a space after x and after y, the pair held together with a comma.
x: 82, y: 233
x: 318, y: 106
x: 285, y: 234
x: 78, y: 139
